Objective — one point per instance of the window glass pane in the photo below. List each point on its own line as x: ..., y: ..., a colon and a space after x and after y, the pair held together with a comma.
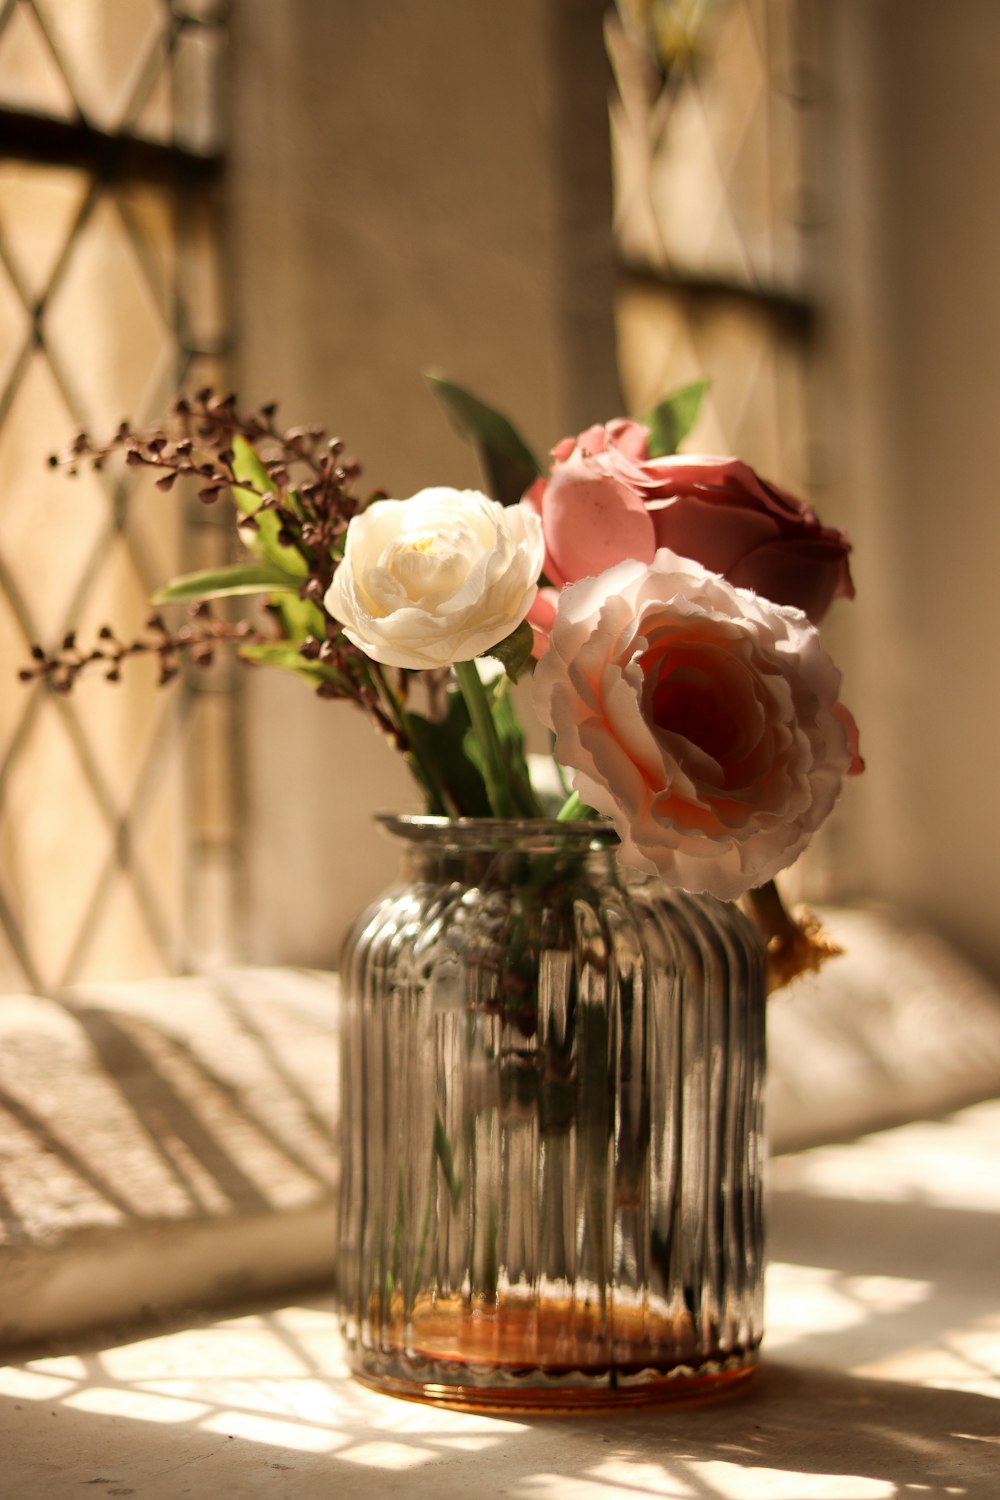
x: 49, y: 526
x: 55, y: 846
x: 104, y: 327
x: 38, y: 208
x: 30, y: 76
x: 117, y: 815
x: 15, y: 328
x: 196, y: 65
x: 179, y: 102
x: 711, y: 135
x: 756, y: 404
x: 104, y: 47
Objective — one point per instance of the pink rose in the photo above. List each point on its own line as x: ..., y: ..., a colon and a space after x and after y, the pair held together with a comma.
x: 702, y: 719
x: 606, y: 500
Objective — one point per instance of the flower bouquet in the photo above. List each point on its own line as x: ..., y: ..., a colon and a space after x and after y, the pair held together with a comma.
x: 553, y: 1028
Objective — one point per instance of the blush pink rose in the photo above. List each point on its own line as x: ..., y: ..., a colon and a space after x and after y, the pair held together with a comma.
x: 605, y: 500
x: 702, y: 719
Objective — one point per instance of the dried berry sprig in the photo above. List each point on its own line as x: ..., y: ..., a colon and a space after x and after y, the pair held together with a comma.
x: 196, y: 640
x: 304, y: 477
x: 293, y: 490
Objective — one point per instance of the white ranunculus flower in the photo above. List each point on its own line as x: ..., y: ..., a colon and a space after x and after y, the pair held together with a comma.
x: 436, y: 579
x: 701, y: 718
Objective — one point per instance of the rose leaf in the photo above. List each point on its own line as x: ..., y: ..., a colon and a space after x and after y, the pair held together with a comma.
x: 263, y: 541
x: 508, y: 464
x: 514, y: 651
x: 442, y: 743
x: 220, y: 583
x: 672, y: 420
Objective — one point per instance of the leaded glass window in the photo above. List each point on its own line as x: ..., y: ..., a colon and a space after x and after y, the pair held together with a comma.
x: 118, y: 848
x: 715, y: 132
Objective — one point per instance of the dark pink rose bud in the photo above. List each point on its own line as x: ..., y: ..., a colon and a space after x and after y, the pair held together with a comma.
x: 606, y: 500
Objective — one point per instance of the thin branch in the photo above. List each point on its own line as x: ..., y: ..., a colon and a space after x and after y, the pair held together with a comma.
x: 197, y: 641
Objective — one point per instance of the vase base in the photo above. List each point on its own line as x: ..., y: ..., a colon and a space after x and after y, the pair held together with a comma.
x: 559, y: 1398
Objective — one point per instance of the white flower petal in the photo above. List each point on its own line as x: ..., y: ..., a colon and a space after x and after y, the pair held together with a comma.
x: 439, y: 578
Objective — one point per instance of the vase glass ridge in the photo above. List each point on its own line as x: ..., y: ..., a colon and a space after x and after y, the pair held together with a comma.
x: 552, y: 1144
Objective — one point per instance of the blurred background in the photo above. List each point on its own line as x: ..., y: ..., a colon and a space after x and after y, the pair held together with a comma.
x: 571, y: 208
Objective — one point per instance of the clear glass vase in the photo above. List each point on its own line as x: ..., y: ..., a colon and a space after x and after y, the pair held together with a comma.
x: 551, y: 1137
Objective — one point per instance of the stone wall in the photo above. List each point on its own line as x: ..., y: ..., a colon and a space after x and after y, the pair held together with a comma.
x: 417, y: 183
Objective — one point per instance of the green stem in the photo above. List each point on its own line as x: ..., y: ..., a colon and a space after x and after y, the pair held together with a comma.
x: 498, y: 785
x: 575, y: 810
x: 571, y: 808
x: 437, y: 801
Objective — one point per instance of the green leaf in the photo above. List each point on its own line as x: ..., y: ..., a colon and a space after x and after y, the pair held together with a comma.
x: 263, y: 542
x: 514, y: 651
x: 299, y: 617
x: 508, y: 464
x: 442, y: 743
x: 670, y: 422
x: 220, y: 583
x: 287, y: 658
x: 446, y: 1156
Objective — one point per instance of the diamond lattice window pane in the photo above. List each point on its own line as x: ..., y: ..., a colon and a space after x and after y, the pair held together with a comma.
x: 197, y: 61
x: 120, y: 932
x: 30, y: 77
x: 105, y: 47
x: 756, y: 404
x: 120, y: 722
x: 56, y: 847
x: 180, y: 103
x: 151, y: 220
x: 154, y: 115
x: 14, y: 697
x: 109, y: 814
x: 48, y: 526
x: 38, y: 208
x: 104, y: 328
x: 711, y: 168
x: 15, y: 329
x: 157, y: 531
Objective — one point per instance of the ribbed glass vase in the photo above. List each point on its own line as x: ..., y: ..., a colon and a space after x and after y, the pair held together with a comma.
x: 552, y: 1148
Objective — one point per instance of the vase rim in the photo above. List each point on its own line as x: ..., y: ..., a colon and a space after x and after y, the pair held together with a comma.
x: 525, y: 832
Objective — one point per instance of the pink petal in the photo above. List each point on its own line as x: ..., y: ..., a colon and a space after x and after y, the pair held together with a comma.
x: 630, y: 438
x: 712, y: 532
x: 853, y: 738
x: 540, y: 617
x: 808, y: 574
x: 591, y: 522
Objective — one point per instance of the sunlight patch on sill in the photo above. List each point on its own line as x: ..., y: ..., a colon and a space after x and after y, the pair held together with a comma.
x: 112, y: 1401
x: 737, y: 1483
x: 802, y: 1302
x: 387, y: 1456
x: 948, y: 1163
x: 293, y: 1435
x: 30, y: 1385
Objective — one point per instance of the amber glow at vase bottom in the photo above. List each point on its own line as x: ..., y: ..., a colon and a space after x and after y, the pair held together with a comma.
x: 556, y: 1356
